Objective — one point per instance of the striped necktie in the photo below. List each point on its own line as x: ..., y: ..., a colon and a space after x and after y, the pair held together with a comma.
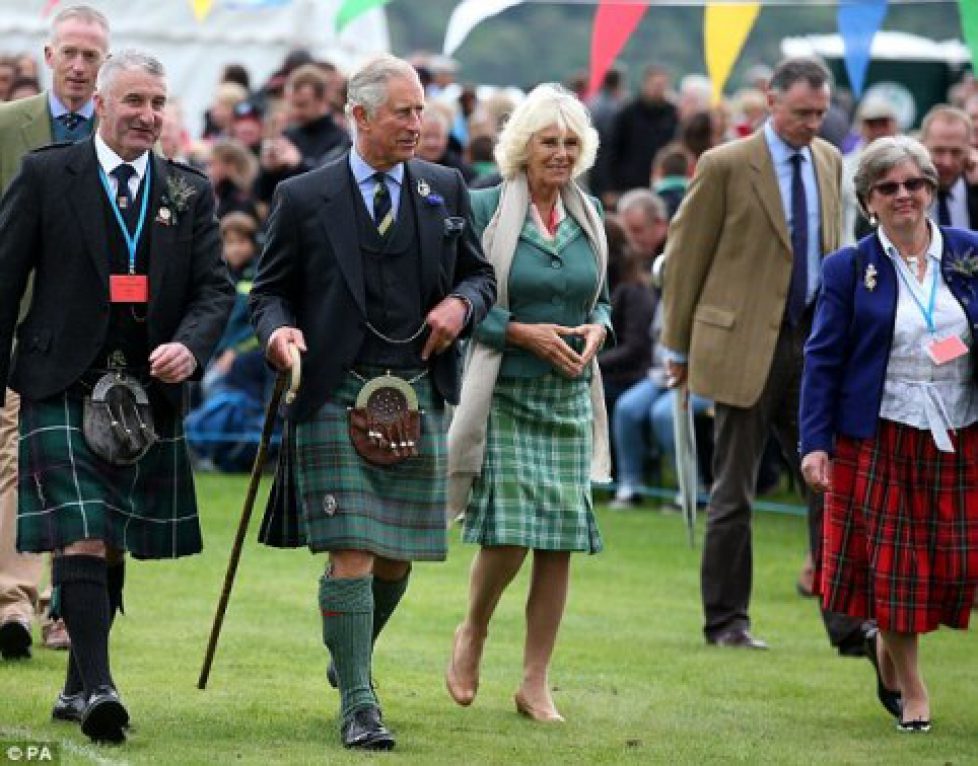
x: 383, y: 210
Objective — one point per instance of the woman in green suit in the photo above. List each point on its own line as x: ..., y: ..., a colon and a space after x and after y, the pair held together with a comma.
x: 531, y: 429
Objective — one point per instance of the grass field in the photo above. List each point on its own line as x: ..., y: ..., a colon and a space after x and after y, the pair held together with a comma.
x: 633, y: 676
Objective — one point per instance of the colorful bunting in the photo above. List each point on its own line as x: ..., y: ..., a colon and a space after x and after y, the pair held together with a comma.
x: 725, y: 30
x: 613, y: 25
x: 467, y: 16
x: 201, y: 8
x: 48, y: 7
x: 969, y: 27
x: 353, y: 8
x: 859, y: 21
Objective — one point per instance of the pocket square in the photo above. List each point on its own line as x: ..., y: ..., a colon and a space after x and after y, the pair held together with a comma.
x: 454, y: 225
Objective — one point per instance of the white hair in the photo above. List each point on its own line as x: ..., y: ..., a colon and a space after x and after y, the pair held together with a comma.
x: 126, y: 61
x: 546, y: 105
x: 367, y: 86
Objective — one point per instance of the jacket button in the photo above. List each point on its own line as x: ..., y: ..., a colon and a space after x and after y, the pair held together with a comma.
x: 556, y: 264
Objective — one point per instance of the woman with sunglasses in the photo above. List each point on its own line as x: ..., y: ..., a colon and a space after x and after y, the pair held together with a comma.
x: 889, y: 406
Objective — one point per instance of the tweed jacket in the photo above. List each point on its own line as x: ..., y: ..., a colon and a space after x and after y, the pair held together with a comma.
x: 52, y: 221
x: 728, y: 265
x: 310, y: 274
x: 847, y: 352
x: 24, y: 125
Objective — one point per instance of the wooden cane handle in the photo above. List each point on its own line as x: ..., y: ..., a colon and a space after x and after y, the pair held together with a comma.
x: 295, y: 374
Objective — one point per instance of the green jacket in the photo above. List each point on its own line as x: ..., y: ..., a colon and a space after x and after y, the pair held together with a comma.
x: 548, y: 282
x: 24, y: 125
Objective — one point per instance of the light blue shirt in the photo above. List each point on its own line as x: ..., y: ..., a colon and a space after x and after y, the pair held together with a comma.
x: 781, y: 153
x: 363, y: 174
x: 58, y: 108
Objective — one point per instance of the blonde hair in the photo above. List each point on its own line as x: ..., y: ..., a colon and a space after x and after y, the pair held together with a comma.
x: 546, y: 105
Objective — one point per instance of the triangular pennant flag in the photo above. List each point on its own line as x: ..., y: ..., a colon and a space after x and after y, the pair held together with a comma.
x: 858, y: 24
x: 353, y: 8
x: 725, y: 30
x: 613, y: 25
x: 467, y: 16
x: 969, y: 27
x: 201, y: 8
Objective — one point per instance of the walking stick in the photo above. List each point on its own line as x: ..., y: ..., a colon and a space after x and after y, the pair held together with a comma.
x: 292, y: 377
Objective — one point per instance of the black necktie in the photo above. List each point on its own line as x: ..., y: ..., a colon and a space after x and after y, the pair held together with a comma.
x: 70, y: 120
x: 383, y: 216
x: 798, y: 288
x: 123, y: 195
x: 943, y: 211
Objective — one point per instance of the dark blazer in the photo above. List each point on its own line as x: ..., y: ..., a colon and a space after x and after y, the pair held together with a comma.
x: 52, y: 221
x: 847, y: 352
x: 310, y: 274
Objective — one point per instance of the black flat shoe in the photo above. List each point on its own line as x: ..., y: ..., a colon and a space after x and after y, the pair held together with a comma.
x: 916, y: 726
x: 15, y: 640
x: 364, y: 730
x: 105, y: 718
x: 889, y: 699
x: 69, y: 707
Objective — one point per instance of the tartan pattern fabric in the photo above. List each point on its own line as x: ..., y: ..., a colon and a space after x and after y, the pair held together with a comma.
x: 900, y: 529
x: 346, y: 503
x: 66, y: 493
x: 535, y: 488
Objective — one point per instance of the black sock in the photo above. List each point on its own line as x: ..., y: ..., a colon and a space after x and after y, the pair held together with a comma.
x: 115, y: 579
x: 387, y: 595
x: 85, y: 609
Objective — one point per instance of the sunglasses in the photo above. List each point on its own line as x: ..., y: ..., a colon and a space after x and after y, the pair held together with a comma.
x: 889, y: 188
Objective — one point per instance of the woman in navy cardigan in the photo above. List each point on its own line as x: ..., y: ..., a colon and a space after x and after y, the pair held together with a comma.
x: 889, y: 407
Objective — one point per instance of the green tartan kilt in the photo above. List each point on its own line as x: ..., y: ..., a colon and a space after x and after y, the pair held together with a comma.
x: 346, y: 503
x: 535, y: 488
x: 66, y: 493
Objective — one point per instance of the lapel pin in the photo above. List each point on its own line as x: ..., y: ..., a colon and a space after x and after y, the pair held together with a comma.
x: 423, y: 189
x: 164, y: 216
x: 870, y: 278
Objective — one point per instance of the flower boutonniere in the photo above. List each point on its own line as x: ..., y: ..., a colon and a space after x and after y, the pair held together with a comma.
x: 869, y: 279
x: 175, y: 200
x: 432, y: 199
x: 966, y: 264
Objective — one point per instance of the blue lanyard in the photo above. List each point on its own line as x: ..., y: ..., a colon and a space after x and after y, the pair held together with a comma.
x: 132, y: 240
x: 928, y: 313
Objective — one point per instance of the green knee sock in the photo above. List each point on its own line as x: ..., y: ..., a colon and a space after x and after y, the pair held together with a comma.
x: 347, y: 607
x: 387, y: 595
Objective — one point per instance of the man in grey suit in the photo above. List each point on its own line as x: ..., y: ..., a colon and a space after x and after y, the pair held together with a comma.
x: 78, y: 44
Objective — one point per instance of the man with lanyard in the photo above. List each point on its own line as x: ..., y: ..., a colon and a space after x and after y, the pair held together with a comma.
x: 131, y: 298
x: 78, y: 44
x: 369, y: 266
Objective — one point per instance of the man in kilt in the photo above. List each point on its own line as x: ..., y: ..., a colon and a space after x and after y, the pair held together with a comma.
x: 369, y: 267
x: 129, y: 286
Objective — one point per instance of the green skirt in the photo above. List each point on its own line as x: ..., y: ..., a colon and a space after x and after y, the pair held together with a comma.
x: 346, y: 503
x: 66, y: 493
x: 535, y: 488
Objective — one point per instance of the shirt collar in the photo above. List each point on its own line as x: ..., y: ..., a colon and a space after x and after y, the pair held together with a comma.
x: 109, y: 160
x: 780, y: 149
x: 934, y: 249
x: 363, y: 172
x: 58, y: 108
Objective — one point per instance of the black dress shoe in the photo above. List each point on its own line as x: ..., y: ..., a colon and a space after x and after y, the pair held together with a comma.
x: 69, y: 707
x: 15, y: 640
x: 916, y: 726
x: 889, y: 699
x: 105, y: 717
x: 738, y: 638
x: 365, y: 730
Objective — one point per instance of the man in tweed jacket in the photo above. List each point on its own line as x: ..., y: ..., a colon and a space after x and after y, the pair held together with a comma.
x: 369, y: 266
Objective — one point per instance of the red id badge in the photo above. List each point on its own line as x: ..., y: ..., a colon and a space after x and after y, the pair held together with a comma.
x: 128, y: 288
x: 943, y: 350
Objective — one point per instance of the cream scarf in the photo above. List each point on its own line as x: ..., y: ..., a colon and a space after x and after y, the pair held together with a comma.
x: 467, y: 432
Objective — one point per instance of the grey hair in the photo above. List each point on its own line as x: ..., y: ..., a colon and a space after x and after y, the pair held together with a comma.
x: 83, y: 13
x: 546, y: 105
x: 126, y: 61
x: 946, y: 113
x: 884, y: 154
x: 367, y: 86
x: 647, y: 201
x: 790, y: 71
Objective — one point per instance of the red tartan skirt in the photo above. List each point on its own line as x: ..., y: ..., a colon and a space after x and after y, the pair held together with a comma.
x: 900, y: 529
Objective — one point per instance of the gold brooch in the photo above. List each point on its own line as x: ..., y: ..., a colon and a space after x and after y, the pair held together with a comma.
x: 870, y: 278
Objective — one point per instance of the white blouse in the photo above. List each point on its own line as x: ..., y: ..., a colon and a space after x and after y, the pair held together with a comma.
x: 916, y: 391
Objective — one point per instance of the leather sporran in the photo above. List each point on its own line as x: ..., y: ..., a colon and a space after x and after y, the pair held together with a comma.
x: 385, y: 423
x: 117, y: 420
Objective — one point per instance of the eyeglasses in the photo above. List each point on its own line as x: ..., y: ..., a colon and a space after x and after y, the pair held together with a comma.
x: 889, y: 188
